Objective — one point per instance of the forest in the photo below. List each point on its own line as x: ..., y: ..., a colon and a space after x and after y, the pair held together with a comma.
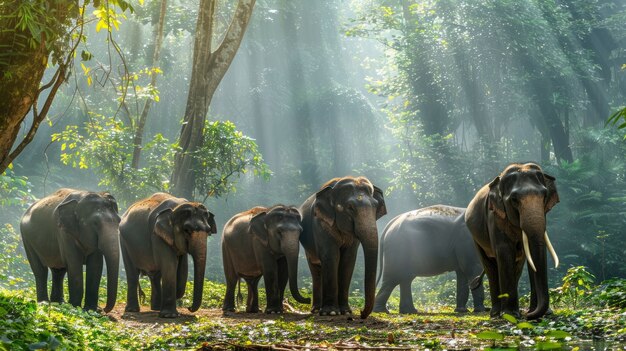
x: 253, y: 107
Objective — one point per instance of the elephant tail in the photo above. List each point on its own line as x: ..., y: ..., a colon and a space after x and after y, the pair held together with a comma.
x: 239, y: 296
x: 477, y: 281
x: 142, y: 295
x: 380, y: 256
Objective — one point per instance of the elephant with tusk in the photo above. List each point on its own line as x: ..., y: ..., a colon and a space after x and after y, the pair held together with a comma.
x: 507, y: 219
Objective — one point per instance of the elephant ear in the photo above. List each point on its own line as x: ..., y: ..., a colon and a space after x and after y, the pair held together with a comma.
x: 553, y: 195
x: 258, y: 228
x: 163, y: 226
x: 495, y: 198
x: 324, y: 209
x: 381, y: 210
x: 211, y: 221
x: 65, y: 214
x: 111, y: 200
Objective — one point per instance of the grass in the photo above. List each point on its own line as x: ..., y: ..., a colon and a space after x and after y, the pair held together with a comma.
x: 26, y: 325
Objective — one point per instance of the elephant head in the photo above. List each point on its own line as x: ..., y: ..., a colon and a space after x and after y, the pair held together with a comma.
x: 185, y: 229
x: 92, y: 220
x: 278, y: 229
x: 350, y: 207
x: 520, y: 197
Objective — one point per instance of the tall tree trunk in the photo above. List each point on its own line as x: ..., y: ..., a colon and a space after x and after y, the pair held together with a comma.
x: 208, y: 69
x: 141, y: 123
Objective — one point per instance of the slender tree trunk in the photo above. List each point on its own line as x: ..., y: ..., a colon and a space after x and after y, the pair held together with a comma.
x: 208, y: 69
x: 141, y: 123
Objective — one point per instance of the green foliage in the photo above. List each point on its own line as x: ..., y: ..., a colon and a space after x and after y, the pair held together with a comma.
x: 14, y: 190
x: 225, y: 155
x: 105, y: 145
x: 578, y: 284
x: 13, y: 264
x: 612, y: 293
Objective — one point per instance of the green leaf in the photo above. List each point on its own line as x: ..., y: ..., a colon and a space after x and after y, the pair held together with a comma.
x: 509, y: 318
x: 490, y: 335
x: 558, y: 334
x: 525, y: 325
x: 548, y: 345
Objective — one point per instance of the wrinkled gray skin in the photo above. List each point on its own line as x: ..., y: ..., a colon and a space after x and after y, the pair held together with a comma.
x: 518, y: 199
x: 156, y: 234
x: 262, y: 241
x: 335, y: 221
x: 424, y: 243
x: 65, y: 231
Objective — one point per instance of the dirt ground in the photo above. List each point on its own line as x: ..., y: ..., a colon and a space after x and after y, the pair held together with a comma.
x: 150, y: 319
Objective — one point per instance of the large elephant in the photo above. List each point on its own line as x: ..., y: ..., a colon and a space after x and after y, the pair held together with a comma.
x: 69, y: 229
x: 262, y: 241
x: 507, y: 219
x: 335, y: 220
x: 427, y: 242
x: 156, y: 234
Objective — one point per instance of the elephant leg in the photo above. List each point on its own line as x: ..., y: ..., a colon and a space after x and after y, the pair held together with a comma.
x: 181, y: 276
x: 270, y: 277
x: 156, y: 295
x: 168, y: 286
x: 316, y: 270
x: 347, y: 261
x: 386, y: 288
x: 94, y: 273
x: 508, y: 278
x: 462, y: 292
x: 58, y: 274
x: 40, y: 271
x: 330, y: 292
x: 406, y: 297
x: 75, y: 277
x: 231, y: 277
x: 478, y: 295
x: 491, y: 270
x: 132, y: 279
x: 252, y: 305
x: 283, y: 277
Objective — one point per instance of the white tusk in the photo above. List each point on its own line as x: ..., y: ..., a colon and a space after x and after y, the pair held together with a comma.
x: 552, y: 252
x: 527, y: 251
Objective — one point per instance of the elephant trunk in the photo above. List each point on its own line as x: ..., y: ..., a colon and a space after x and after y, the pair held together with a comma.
x: 110, y: 249
x: 291, y: 250
x: 533, y: 225
x: 369, y: 240
x: 198, y: 253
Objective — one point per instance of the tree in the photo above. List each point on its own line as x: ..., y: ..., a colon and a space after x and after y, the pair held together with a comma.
x: 33, y: 36
x: 208, y: 68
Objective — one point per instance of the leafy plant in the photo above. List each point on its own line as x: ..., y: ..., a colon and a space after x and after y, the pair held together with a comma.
x: 105, y: 145
x: 13, y: 265
x: 577, y: 285
x: 225, y: 155
x: 612, y: 293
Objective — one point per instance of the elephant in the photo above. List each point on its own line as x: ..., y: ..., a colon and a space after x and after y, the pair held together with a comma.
x: 507, y: 219
x: 156, y: 234
x: 262, y: 242
x: 66, y: 230
x: 426, y: 242
x: 335, y: 220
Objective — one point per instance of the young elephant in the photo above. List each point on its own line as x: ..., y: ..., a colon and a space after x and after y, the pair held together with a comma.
x: 156, y: 234
x: 507, y: 219
x: 427, y: 242
x: 262, y: 241
x: 67, y: 230
x: 337, y: 219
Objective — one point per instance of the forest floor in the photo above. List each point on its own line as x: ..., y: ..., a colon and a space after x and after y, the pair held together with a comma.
x: 210, y: 329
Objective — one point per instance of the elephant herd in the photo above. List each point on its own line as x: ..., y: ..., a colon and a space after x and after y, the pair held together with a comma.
x: 503, y: 227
